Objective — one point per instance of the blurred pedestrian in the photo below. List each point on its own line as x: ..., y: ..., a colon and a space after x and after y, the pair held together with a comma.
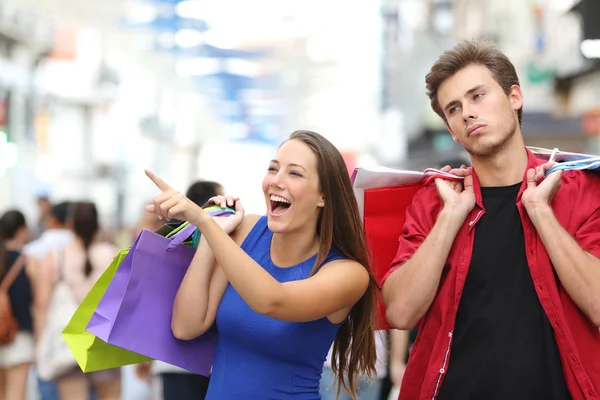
x: 79, y: 264
x: 16, y: 356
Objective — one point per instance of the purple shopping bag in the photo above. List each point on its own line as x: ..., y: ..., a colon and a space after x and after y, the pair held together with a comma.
x: 135, y: 311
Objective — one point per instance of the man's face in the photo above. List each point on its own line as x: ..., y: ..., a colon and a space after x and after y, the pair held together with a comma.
x: 44, y: 205
x: 479, y: 114
x: 50, y: 221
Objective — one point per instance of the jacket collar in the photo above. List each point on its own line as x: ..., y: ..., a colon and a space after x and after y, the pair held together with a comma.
x: 532, y: 162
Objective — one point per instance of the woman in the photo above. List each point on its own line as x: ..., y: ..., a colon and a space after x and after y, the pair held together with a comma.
x: 283, y: 287
x: 16, y: 356
x: 81, y: 263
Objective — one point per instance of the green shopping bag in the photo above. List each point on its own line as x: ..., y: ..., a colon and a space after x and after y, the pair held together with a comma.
x: 91, y: 353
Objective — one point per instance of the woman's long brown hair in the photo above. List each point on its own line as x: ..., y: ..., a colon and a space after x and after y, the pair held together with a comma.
x: 340, y: 226
x: 86, y: 226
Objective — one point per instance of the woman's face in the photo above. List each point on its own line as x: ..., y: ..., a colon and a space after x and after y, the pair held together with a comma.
x: 291, y: 188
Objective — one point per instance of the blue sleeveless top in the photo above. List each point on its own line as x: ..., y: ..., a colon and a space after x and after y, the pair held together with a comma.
x: 261, y: 358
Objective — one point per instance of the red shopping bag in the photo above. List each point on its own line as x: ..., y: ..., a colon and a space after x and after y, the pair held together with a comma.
x: 383, y: 195
x: 385, y: 211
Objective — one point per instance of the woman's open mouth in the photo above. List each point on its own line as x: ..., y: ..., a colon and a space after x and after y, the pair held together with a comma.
x: 278, y: 205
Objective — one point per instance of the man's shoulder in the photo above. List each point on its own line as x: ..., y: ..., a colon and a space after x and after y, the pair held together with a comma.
x: 427, y: 197
x: 575, y: 181
x: 424, y: 206
x: 49, y: 240
x: 579, y: 193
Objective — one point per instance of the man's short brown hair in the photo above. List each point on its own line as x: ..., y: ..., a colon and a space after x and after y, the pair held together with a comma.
x: 464, y: 54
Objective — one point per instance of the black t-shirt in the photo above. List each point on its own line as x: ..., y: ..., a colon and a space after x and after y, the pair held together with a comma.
x: 19, y: 294
x: 503, y: 344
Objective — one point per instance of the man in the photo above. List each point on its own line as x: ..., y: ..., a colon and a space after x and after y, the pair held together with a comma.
x: 501, y: 271
x: 200, y: 191
x: 56, y: 233
x: 42, y: 199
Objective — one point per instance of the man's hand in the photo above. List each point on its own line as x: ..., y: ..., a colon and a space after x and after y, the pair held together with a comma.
x: 457, y: 196
x: 538, y: 196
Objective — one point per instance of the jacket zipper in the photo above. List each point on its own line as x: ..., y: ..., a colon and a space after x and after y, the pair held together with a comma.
x: 471, y: 223
x: 443, y: 369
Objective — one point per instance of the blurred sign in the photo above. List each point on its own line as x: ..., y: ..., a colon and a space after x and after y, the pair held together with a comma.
x: 9, y: 154
x: 170, y: 23
x: 42, y: 130
x: 590, y: 15
x: 590, y: 122
x: 64, y: 45
x: 3, y: 113
x: 209, y: 51
x: 538, y: 73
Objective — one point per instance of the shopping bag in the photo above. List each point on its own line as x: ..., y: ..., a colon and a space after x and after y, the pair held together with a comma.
x: 383, y: 195
x: 135, y: 312
x: 558, y: 155
x: 566, y: 160
x: 90, y: 352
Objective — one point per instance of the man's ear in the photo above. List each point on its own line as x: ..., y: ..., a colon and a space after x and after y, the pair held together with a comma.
x: 516, y: 97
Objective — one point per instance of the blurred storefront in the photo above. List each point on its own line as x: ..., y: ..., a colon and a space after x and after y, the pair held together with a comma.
x: 577, y: 89
x: 24, y: 42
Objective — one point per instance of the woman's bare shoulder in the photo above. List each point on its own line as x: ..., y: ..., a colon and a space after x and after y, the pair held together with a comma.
x: 242, y: 231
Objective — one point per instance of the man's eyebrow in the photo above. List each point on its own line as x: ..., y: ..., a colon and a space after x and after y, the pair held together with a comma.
x: 468, y: 92
x: 476, y: 88
x: 451, y: 104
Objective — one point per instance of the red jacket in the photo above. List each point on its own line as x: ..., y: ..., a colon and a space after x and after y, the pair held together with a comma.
x: 577, y: 208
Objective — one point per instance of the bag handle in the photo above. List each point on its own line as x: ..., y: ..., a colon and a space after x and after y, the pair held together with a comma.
x: 433, y: 174
x: 186, y: 229
x: 179, y: 237
x: 178, y: 229
x: 11, y: 276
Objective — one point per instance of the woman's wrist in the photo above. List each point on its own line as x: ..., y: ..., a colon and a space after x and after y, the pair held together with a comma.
x: 200, y: 219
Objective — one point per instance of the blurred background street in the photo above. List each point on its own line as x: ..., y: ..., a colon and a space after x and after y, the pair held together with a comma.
x: 92, y: 93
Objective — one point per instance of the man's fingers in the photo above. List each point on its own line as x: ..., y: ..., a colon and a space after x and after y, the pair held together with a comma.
x: 157, y: 181
x: 555, y: 176
x: 461, y: 171
x: 531, y: 178
x: 468, y: 182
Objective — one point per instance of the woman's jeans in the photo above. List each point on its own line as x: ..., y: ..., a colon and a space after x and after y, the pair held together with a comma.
x: 367, y: 390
